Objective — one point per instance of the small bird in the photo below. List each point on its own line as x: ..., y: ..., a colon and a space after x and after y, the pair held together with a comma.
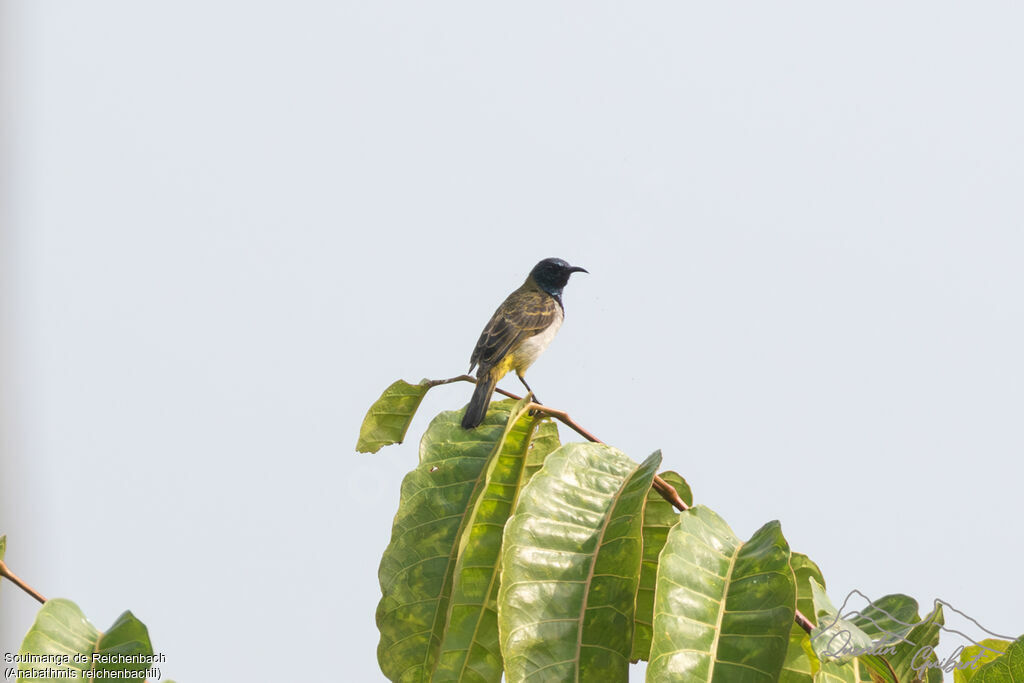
x: 519, y: 331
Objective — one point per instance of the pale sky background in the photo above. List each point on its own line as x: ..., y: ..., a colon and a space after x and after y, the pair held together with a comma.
x: 228, y: 226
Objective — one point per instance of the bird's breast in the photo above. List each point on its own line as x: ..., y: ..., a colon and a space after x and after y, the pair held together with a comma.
x: 530, y: 349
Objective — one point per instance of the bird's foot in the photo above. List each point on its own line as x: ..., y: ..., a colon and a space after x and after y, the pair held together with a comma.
x: 533, y: 398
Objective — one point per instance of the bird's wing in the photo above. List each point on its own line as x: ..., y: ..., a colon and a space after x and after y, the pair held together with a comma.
x: 524, y: 313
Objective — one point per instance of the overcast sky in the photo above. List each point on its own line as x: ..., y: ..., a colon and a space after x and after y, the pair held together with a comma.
x: 229, y: 226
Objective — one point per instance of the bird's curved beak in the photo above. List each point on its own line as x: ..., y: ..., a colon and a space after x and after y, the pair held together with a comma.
x: 577, y: 269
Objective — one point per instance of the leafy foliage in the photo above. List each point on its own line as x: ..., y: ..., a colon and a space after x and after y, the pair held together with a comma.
x: 515, y: 556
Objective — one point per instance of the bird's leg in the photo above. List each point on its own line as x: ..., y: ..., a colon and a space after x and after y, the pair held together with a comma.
x: 523, y: 380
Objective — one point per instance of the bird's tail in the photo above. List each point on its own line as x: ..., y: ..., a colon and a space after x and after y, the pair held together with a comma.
x: 477, y: 407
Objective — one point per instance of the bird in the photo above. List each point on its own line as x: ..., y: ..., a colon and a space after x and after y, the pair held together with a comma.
x: 518, y: 332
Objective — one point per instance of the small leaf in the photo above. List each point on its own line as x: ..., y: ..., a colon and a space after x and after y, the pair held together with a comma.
x: 545, y: 442
x: 388, y: 419
x: 73, y: 645
x: 889, y: 619
x: 804, y: 569
x: 834, y: 639
x: 917, y: 650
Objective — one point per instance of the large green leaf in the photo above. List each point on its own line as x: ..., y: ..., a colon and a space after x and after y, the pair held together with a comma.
x: 659, y: 517
x: 1006, y: 669
x: 436, y: 517
x: 571, y: 566
x: 470, y: 649
x: 63, y: 641
x: 723, y: 609
x: 388, y: 419
x: 973, y: 657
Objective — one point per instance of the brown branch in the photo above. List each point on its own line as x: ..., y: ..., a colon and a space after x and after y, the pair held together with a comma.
x: 667, y: 491
x: 13, y: 578
x: 803, y: 622
x: 564, y: 418
x: 467, y: 378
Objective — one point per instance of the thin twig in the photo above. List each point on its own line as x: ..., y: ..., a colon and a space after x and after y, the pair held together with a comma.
x: 564, y: 418
x: 13, y: 578
x: 667, y: 491
x: 803, y: 622
x: 467, y: 378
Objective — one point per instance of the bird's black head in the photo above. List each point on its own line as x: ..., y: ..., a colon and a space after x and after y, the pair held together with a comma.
x: 552, y: 274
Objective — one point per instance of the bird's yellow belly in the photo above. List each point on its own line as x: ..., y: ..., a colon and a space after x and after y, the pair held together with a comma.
x: 523, y: 356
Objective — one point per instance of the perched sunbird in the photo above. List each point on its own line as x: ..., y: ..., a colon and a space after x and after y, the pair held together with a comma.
x: 518, y: 332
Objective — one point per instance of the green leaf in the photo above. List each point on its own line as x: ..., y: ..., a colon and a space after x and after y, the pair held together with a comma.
x: 827, y: 672
x: 797, y: 667
x: 659, y: 517
x: 1006, y: 669
x: 571, y: 566
x: 974, y: 657
x: 435, y: 519
x: 545, y: 442
x: 889, y: 619
x: 72, y: 645
x: 470, y: 649
x: 3, y: 546
x: 918, y: 648
x: 723, y: 609
x: 841, y: 672
x: 388, y: 419
x: 834, y: 639
x: 804, y: 569
x: 912, y: 658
